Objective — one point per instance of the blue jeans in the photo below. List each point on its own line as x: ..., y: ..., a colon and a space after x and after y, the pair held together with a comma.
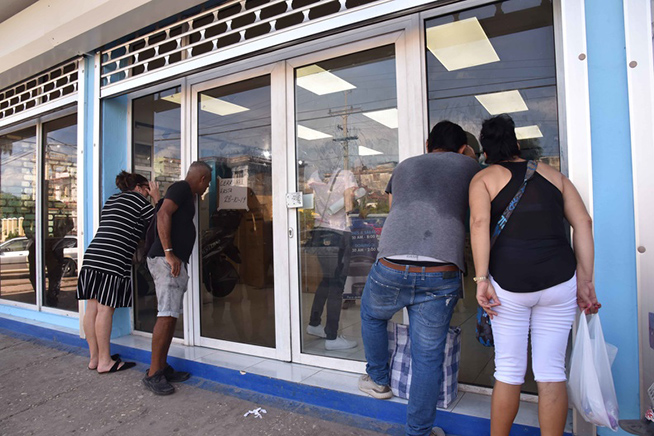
x: 430, y: 299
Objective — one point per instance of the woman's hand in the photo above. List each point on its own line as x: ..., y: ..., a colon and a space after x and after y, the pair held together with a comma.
x: 154, y: 191
x: 586, y: 298
x: 487, y: 298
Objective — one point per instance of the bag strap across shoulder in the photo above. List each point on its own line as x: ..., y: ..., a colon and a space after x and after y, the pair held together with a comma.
x: 532, y: 165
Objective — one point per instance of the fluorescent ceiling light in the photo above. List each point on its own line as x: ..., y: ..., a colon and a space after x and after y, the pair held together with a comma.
x: 502, y: 102
x: 365, y: 151
x: 218, y: 106
x: 387, y: 117
x: 320, y: 82
x: 527, y: 132
x: 310, y: 134
x: 461, y: 44
x: 174, y: 98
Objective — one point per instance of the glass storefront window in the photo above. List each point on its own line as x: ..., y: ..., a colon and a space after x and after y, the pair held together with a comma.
x: 156, y: 148
x: 235, y: 217
x: 18, y: 177
x: 60, y: 213
x: 347, y: 146
x: 480, y: 63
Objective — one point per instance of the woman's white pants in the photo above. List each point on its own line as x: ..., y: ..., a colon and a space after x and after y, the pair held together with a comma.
x: 548, y: 315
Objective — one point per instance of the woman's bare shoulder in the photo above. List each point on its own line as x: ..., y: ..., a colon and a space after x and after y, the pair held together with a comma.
x: 552, y: 175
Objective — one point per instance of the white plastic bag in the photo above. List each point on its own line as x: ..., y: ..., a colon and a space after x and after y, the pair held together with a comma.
x: 590, y: 385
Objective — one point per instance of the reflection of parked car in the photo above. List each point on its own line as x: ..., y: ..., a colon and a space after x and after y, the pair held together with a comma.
x: 14, y: 255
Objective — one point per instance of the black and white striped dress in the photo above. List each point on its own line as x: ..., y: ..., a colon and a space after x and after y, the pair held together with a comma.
x: 106, y: 272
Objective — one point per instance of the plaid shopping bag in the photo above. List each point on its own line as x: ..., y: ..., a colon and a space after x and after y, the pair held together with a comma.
x: 399, y: 347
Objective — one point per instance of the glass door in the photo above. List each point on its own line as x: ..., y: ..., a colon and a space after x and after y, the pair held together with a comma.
x: 238, y: 298
x: 490, y: 60
x: 346, y: 142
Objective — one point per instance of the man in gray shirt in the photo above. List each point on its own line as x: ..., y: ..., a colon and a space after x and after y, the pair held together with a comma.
x: 419, y: 268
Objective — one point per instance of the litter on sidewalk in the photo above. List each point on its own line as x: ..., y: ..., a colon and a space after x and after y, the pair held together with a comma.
x: 256, y: 412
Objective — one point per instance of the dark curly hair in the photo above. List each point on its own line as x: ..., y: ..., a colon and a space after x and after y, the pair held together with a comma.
x: 498, y: 139
x: 128, y: 181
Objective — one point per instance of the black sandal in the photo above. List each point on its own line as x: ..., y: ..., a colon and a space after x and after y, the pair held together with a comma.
x: 117, y: 368
x: 113, y: 357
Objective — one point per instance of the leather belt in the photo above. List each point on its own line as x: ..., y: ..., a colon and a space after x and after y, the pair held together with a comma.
x: 418, y: 269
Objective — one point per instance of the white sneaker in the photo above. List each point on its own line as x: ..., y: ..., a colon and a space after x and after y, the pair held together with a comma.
x: 316, y: 330
x: 340, y: 343
x: 373, y: 389
x: 437, y: 431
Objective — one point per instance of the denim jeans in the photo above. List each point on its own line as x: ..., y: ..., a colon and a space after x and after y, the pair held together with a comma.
x: 333, y: 250
x: 430, y: 299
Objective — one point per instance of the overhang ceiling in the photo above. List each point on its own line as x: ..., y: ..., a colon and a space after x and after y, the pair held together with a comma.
x: 9, y: 8
x: 39, y: 34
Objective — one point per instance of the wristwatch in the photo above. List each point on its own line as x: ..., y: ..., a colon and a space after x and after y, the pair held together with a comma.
x: 480, y: 279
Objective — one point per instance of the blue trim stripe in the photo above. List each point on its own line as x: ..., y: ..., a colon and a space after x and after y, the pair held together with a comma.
x: 354, y: 410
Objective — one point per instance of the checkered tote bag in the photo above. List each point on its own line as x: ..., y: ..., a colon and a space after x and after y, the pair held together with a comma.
x: 399, y: 347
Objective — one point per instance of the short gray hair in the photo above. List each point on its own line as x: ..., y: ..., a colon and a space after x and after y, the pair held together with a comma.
x: 200, y: 165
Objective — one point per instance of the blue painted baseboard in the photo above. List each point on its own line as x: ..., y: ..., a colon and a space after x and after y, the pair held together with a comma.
x: 365, y: 412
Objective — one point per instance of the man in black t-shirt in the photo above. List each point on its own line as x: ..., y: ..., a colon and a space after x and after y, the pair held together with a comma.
x: 167, y: 261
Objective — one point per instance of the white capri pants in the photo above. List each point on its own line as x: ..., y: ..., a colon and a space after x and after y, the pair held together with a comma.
x: 548, y: 315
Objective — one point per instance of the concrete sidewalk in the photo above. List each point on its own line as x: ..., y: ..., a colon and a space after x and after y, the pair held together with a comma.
x: 49, y: 390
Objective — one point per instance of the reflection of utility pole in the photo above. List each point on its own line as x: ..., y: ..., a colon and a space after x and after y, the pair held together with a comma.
x: 346, y: 138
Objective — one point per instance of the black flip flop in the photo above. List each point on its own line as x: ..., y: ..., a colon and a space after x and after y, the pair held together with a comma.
x: 118, y: 368
x: 113, y: 357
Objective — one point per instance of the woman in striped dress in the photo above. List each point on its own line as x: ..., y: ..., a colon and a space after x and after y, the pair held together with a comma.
x: 105, y: 277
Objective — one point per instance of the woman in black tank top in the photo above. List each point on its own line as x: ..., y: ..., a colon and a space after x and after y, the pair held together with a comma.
x: 531, y: 263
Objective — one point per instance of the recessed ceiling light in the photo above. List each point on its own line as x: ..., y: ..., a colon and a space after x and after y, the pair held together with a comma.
x: 310, y: 134
x: 319, y: 81
x: 387, y: 117
x: 365, y: 151
x: 461, y: 44
x: 218, y: 106
x: 527, y: 132
x: 504, y: 102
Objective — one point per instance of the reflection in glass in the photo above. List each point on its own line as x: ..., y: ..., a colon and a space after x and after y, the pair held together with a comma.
x: 235, y: 217
x: 156, y: 149
x: 482, y: 62
x: 347, y: 147
x: 60, y: 213
x: 18, y: 175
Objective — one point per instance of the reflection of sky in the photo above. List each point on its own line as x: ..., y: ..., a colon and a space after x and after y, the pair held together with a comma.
x: 167, y: 141
x: 526, y: 64
x: 63, y: 142
x: 373, y: 74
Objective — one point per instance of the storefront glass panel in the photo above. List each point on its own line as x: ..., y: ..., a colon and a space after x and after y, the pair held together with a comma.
x: 480, y: 63
x: 18, y: 177
x: 347, y: 146
x: 237, y: 299
x: 156, y: 148
x: 60, y: 213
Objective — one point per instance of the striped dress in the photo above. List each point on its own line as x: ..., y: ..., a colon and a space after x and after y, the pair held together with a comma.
x: 106, y: 272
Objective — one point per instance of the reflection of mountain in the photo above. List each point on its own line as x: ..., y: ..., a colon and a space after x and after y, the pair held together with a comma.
x: 224, y: 149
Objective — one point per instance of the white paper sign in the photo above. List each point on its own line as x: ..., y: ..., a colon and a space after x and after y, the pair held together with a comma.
x: 232, y: 196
